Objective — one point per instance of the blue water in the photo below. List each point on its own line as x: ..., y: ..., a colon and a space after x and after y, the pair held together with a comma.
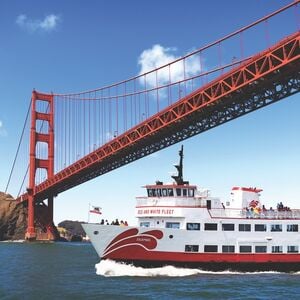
x: 68, y: 271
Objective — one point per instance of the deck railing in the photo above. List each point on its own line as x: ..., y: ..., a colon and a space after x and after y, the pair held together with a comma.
x: 243, y: 213
x: 173, y: 201
x: 217, y: 212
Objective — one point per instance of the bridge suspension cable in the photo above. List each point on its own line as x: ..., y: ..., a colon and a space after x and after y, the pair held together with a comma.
x: 96, y: 124
x: 217, y: 42
x: 18, y: 148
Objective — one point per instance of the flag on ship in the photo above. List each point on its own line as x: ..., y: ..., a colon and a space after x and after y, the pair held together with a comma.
x: 253, y: 203
x: 96, y: 210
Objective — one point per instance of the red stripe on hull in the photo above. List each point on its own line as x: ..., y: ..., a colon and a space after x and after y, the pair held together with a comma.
x: 138, y: 256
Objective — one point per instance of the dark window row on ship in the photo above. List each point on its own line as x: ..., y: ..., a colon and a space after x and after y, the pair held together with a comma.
x: 231, y: 227
x: 169, y: 192
x: 243, y: 249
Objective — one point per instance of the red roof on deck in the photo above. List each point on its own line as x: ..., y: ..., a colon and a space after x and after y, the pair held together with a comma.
x: 249, y: 189
x: 160, y: 186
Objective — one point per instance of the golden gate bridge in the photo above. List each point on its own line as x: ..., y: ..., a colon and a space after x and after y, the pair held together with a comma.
x: 79, y: 136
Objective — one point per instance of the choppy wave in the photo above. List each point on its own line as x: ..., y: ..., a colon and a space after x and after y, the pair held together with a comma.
x: 109, y: 268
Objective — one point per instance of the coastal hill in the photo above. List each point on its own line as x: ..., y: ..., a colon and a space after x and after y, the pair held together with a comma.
x: 73, y: 227
x: 71, y: 230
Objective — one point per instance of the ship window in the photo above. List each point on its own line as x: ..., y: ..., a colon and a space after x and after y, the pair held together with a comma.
x: 158, y: 193
x: 210, y: 226
x: 145, y: 224
x: 260, y: 227
x: 292, y: 249
x: 184, y: 192
x: 193, y: 226
x: 245, y: 249
x: 228, y: 227
x: 228, y: 249
x: 276, y: 249
x: 260, y: 249
x: 175, y: 225
x: 276, y: 227
x: 292, y: 228
x: 164, y: 192
x: 153, y: 192
x: 149, y: 191
x: 244, y: 227
x: 210, y: 248
x: 178, y: 192
x: 191, y: 192
x: 191, y: 248
x: 96, y: 232
x: 170, y: 192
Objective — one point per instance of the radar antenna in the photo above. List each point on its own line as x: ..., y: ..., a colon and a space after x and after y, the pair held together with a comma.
x: 179, y: 177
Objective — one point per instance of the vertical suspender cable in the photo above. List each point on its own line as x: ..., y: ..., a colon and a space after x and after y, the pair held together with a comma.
x: 169, y: 86
x: 125, y: 108
x: 84, y: 125
x: 109, y: 113
x: 89, y: 102
x: 95, y: 121
x: 145, y: 91
x: 157, y: 96
x: 267, y: 34
x: 297, y: 15
x: 117, y: 113
x: 69, y: 131
x: 220, y: 56
x: 135, y: 111
x: 65, y: 133
x: 184, y: 76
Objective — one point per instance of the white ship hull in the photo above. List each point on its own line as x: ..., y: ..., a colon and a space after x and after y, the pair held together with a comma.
x: 151, y: 247
x: 183, y: 226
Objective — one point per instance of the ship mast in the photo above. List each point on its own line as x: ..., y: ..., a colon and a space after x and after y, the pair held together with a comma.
x: 179, y: 177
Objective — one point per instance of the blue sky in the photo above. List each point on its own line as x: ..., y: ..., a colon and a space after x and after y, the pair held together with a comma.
x: 69, y: 46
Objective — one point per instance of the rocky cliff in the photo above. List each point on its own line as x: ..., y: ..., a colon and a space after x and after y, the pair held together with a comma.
x: 13, y: 218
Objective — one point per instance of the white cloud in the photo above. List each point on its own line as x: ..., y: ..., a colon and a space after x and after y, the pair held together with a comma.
x: 48, y: 24
x: 3, y: 132
x: 158, y: 56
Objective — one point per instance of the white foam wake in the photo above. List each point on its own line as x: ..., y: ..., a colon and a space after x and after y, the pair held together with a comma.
x: 13, y: 241
x: 109, y: 268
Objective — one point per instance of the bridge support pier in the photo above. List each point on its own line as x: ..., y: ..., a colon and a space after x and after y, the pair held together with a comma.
x: 30, y: 234
x: 50, y: 226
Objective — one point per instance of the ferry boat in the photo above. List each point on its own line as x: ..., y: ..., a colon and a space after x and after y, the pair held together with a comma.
x: 181, y: 225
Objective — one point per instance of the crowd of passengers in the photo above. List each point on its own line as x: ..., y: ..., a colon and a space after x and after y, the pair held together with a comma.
x: 254, y: 212
x: 115, y: 222
x: 281, y: 207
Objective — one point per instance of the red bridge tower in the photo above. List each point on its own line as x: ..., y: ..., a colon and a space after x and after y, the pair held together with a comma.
x: 39, y: 212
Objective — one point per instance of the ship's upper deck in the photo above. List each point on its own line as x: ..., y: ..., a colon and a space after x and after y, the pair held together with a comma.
x: 180, y: 197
